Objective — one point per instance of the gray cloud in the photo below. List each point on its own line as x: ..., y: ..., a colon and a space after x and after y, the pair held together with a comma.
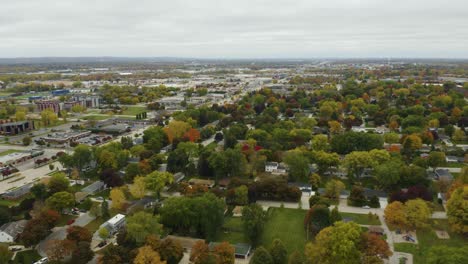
x: 229, y: 29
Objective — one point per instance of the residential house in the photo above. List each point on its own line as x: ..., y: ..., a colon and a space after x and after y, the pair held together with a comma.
x: 9, y: 232
x: 114, y: 224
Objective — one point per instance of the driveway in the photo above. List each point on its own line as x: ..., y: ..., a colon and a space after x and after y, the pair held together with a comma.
x: 61, y: 232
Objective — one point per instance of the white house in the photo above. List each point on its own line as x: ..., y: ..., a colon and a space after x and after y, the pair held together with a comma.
x: 271, y: 166
x: 115, y: 223
x: 9, y: 232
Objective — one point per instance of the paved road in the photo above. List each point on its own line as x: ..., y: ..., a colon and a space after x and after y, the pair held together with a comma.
x: 61, y: 232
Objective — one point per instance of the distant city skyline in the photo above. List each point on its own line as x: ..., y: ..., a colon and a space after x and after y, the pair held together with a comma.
x: 235, y: 29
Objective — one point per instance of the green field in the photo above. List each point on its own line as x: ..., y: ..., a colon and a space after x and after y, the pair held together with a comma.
x: 361, y: 219
x: 428, y: 239
x: 6, y: 152
x: 133, y: 110
x: 94, y: 225
x: 285, y: 224
x: 232, y: 231
x: 96, y: 117
x: 28, y: 256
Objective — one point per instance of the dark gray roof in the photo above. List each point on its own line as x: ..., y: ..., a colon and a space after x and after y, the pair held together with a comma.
x: 94, y: 187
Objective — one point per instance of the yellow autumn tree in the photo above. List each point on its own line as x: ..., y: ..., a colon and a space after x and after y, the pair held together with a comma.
x: 138, y: 188
x: 146, y: 255
x: 118, y: 198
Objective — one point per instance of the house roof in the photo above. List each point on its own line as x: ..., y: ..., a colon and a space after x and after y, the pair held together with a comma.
x: 186, y: 242
x: 92, y: 188
x: 117, y: 218
x: 14, y: 228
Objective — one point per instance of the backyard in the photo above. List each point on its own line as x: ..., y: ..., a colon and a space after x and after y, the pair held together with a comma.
x: 428, y: 239
x: 287, y: 225
x: 361, y: 219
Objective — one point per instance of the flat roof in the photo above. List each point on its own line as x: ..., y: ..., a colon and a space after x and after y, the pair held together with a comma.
x: 117, y: 218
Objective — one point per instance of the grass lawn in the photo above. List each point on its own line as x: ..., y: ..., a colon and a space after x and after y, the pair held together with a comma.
x: 8, y: 203
x: 6, y: 152
x: 96, y: 117
x: 428, y: 239
x: 94, y: 225
x: 133, y: 110
x: 64, y: 219
x: 232, y: 231
x: 28, y: 256
x: 362, y: 219
x: 287, y: 225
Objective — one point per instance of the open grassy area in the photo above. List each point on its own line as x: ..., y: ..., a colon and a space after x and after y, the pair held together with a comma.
x: 133, y: 110
x: 9, y: 151
x: 94, y: 225
x: 96, y: 117
x: 428, y: 239
x: 8, y: 203
x: 287, y: 225
x: 28, y: 256
x: 362, y: 219
x: 232, y: 231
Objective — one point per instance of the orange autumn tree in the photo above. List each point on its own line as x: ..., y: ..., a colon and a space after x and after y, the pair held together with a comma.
x: 192, y: 134
x: 176, y: 129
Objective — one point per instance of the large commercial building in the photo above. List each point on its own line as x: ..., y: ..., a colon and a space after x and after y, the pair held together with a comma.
x: 14, y: 128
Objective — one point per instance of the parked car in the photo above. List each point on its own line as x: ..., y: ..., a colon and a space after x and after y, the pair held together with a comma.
x: 42, y: 261
x: 366, y: 207
x: 103, y: 243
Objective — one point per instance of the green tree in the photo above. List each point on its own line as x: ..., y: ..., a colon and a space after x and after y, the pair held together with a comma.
x: 60, y: 201
x: 241, y: 195
x: 457, y: 210
x: 333, y: 188
x: 103, y: 233
x: 436, y: 159
x: 58, y: 183
x: 105, y: 209
x: 156, y: 181
x: 261, y: 256
x: 40, y: 191
x: 278, y: 252
x: 356, y: 161
x: 298, y: 165
x: 336, y: 244
x: 27, y: 141
x: 387, y: 173
x: 335, y: 215
x: 417, y: 213
x: 81, y: 157
x: 296, y: 258
x: 142, y: 224
x: 253, y: 221
x: 314, y: 181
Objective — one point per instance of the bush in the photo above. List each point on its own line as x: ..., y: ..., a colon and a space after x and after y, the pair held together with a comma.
x: 374, y: 202
x: 275, y: 190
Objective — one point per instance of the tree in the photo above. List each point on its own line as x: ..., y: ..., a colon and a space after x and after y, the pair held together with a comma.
x: 224, y: 253
x: 5, y: 254
x: 5, y: 215
x: 138, y: 188
x: 82, y: 253
x: 20, y: 116
x: 333, y: 188
x: 56, y: 250
x: 395, y: 215
x: 39, y: 191
x: 417, y: 213
x: 356, y: 196
x: 458, y: 135
x: 335, y: 127
x: 142, y: 224
x: 146, y: 255
x: 316, y: 219
x: 48, y: 117
x: 156, y: 181
x: 261, y: 256
x: 320, y: 142
x: 199, y: 253
x: 118, y: 198
x: 336, y: 244
x: 325, y: 160
x: 79, y: 234
x: 103, y: 233
x: 116, y: 255
x: 105, y: 209
x: 60, y: 201
x: 373, y: 247
x: 296, y: 258
x: 176, y: 129
x: 457, y: 210
x: 357, y: 161
x: 298, y: 165
x: 170, y: 251
x: 314, y: 181
x: 58, y: 183
x: 386, y: 173
x: 445, y: 254
x: 241, y: 195
x: 81, y: 157
x: 253, y: 221
x: 436, y: 159
x: 335, y: 215
x: 27, y: 141
x: 278, y: 252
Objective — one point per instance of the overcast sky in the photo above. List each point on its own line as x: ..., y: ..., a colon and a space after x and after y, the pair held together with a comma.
x: 234, y: 28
